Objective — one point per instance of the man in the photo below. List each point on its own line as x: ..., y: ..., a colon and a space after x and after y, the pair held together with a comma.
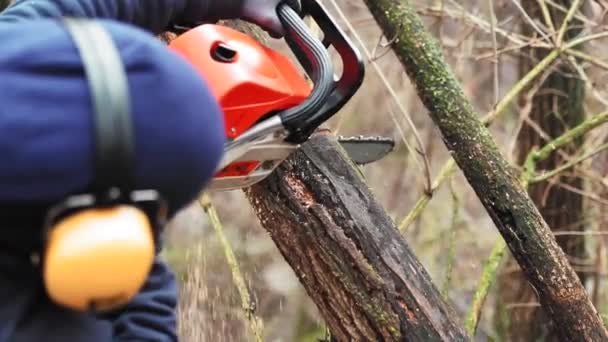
x: 46, y: 145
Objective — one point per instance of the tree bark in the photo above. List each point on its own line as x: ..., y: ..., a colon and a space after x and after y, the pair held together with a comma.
x: 520, y: 223
x: 556, y: 107
x: 346, y: 251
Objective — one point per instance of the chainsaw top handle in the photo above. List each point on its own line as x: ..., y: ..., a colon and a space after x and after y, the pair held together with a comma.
x: 328, y: 94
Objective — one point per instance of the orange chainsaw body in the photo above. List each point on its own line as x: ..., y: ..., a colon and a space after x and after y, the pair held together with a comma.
x: 249, y: 79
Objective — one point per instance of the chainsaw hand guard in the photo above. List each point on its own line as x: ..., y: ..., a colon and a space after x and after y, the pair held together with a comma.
x: 302, y: 123
x: 321, y: 72
x: 328, y: 96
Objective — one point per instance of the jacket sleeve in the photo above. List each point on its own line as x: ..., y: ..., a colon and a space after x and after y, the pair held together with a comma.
x: 46, y: 119
x: 152, y: 15
x: 47, y: 146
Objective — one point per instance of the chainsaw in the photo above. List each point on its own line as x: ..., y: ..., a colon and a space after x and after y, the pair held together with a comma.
x: 270, y: 108
x: 263, y: 130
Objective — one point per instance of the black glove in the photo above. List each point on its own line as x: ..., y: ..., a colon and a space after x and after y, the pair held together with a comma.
x: 260, y: 12
x: 264, y: 14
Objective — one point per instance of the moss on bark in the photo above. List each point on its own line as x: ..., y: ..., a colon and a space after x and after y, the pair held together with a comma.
x: 515, y: 215
x: 557, y: 106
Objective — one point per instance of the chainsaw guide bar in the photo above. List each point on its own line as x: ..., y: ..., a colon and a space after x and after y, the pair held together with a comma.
x: 272, y: 151
x: 366, y: 149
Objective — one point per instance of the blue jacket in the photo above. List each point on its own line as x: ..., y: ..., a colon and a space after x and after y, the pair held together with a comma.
x: 46, y: 136
x: 45, y: 113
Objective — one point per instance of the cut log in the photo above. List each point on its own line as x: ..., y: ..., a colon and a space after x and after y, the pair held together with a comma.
x: 347, y: 252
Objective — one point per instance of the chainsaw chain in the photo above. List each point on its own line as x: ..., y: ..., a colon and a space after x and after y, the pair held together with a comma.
x: 365, y: 138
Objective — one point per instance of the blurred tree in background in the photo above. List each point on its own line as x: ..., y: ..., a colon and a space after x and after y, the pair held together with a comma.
x: 548, y: 110
x: 500, y: 51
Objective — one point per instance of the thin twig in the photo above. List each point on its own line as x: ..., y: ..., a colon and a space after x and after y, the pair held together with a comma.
x: 569, y: 136
x: 499, y: 52
x: 255, y: 322
x: 590, y: 196
x: 451, y: 243
x: 562, y: 30
x: 386, y: 46
x: 445, y: 172
x: 487, y: 279
x: 531, y: 21
x: 568, y: 165
x: 583, y: 76
x: 578, y: 16
x: 579, y: 233
x: 494, y: 49
x: 589, y: 58
x: 534, y: 157
x: 578, y: 41
x: 392, y: 92
x: 546, y: 15
x: 460, y: 12
x: 526, y: 109
x: 524, y: 82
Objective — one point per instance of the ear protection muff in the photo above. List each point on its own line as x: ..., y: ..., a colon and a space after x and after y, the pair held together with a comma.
x: 100, y: 246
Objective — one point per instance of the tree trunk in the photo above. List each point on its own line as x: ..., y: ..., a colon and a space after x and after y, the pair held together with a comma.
x: 556, y: 107
x: 520, y: 223
x: 346, y: 251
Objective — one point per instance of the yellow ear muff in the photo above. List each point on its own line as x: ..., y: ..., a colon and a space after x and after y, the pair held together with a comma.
x: 98, y: 258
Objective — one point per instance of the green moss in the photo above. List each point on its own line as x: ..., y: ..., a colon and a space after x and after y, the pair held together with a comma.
x: 486, y: 170
x: 373, y: 306
x: 487, y: 279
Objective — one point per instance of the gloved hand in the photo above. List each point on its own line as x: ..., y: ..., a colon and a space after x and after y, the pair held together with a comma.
x: 260, y: 12
x: 264, y: 14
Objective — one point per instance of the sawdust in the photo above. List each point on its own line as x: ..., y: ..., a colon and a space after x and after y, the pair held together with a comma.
x: 300, y: 191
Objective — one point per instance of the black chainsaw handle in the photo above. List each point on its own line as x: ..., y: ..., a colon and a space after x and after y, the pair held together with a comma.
x: 301, y: 125
x: 320, y: 71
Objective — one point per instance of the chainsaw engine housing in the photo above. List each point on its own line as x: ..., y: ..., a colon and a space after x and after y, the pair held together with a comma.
x: 251, y: 82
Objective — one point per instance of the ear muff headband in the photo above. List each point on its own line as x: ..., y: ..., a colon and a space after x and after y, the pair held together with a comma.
x: 100, y: 246
x: 109, y: 92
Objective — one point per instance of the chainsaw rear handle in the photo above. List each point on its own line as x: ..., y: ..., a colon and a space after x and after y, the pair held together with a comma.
x: 301, y: 121
x: 320, y: 69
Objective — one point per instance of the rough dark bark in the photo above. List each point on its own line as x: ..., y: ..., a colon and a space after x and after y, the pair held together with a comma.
x: 495, y: 183
x: 346, y: 251
x: 556, y: 107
